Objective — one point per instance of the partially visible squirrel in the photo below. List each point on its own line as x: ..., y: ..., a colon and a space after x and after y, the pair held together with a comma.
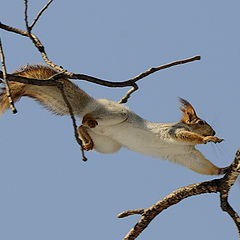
x: 107, y: 125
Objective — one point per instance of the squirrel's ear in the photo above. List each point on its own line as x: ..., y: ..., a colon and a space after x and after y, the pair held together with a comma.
x: 189, y: 113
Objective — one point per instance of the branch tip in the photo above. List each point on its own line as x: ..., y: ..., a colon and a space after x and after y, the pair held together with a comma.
x: 130, y: 212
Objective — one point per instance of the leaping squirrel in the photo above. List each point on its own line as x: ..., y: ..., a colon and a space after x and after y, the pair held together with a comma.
x: 107, y: 125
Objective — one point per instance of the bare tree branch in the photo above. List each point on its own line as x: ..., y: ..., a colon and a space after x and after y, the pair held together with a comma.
x: 77, y: 76
x: 168, y: 65
x: 5, y: 80
x: 26, y: 15
x: 40, y: 13
x: 36, y: 42
x: 221, y: 185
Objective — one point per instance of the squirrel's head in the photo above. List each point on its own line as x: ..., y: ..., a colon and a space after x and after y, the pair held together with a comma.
x: 191, y: 119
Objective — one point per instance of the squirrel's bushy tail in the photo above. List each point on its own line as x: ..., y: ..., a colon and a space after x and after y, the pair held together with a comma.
x: 49, y: 96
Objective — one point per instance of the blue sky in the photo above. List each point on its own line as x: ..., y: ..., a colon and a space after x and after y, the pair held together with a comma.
x: 47, y: 192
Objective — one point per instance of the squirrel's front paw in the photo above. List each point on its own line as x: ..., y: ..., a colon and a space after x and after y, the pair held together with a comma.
x: 89, y: 121
x: 212, y: 139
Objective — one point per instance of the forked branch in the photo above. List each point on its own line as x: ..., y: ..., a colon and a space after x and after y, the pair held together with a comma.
x: 222, y: 185
x: 39, y: 14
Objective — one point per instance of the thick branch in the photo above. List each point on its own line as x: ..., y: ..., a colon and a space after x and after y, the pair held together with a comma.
x: 173, y: 198
x: 221, y: 185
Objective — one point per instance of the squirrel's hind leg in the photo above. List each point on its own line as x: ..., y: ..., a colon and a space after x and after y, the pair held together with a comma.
x: 100, y: 143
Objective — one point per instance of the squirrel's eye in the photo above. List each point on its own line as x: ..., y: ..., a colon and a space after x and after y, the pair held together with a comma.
x: 201, y: 122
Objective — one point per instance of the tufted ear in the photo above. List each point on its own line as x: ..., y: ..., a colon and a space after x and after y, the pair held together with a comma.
x: 189, y: 114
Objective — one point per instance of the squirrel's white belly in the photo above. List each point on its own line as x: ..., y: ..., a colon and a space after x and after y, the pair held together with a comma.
x: 146, y: 137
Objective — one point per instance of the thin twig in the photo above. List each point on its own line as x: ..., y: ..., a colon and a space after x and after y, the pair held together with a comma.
x: 61, y: 88
x: 168, y: 65
x: 40, y: 13
x: 125, y: 98
x: 131, y: 212
x: 5, y: 80
x: 222, y: 185
x: 26, y: 15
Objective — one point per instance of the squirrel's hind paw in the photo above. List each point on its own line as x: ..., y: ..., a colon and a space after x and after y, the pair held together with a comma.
x: 87, y: 142
x: 88, y: 146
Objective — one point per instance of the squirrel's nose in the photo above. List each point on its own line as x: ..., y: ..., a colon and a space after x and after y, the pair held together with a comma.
x: 213, y: 133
